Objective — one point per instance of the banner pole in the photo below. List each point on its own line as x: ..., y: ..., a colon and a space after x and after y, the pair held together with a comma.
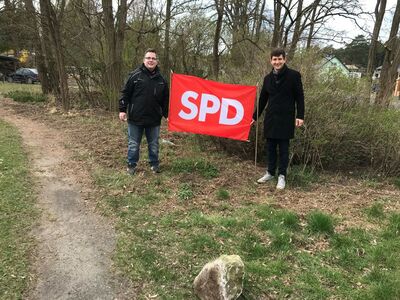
x: 256, y: 148
x: 170, y: 84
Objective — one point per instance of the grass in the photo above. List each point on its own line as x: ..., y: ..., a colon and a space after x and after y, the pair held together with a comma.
x: 17, y: 214
x: 205, y: 204
x: 6, y: 87
x: 285, y: 254
x: 172, y: 223
x: 319, y: 222
x: 26, y: 96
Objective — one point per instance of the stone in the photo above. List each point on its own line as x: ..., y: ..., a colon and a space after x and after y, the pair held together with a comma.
x: 221, y: 279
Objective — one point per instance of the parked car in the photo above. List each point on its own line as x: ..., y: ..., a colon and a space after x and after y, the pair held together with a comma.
x: 24, y: 75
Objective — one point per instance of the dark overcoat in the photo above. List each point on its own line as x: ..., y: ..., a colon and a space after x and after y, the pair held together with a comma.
x: 283, y: 97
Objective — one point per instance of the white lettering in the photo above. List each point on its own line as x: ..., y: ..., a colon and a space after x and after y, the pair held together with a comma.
x: 211, y: 104
x: 205, y: 109
x: 186, y: 103
x: 223, y: 118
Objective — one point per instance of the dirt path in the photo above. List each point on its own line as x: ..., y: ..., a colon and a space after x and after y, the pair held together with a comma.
x: 73, y: 259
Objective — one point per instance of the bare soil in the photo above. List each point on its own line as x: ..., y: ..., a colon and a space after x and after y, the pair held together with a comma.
x: 74, y: 243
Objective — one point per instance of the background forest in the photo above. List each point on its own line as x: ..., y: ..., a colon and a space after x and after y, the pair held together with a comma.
x: 100, y: 41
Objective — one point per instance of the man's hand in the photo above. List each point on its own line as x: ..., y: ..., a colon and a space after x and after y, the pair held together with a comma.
x: 122, y: 116
x: 299, y: 122
x: 252, y: 122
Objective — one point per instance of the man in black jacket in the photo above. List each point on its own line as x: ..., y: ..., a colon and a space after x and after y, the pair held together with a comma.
x: 282, y: 93
x: 144, y: 101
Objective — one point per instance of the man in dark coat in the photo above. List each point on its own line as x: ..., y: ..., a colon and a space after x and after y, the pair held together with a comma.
x: 282, y: 95
x: 144, y: 101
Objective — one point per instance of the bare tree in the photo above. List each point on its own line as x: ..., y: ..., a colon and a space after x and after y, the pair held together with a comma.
x: 297, y: 29
x: 167, y: 47
x: 390, y: 62
x: 314, y: 7
x: 379, y: 13
x: 219, y: 5
x: 277, y: 24
x: 52, y: 17
x: 114, y: 31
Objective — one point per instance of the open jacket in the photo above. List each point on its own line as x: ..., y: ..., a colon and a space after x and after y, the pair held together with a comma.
x: 145, y: 97
x: 283, y: 97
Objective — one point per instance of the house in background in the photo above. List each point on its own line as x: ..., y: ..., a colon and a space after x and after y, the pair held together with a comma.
x: 354, y: 71
x: 330, y: 63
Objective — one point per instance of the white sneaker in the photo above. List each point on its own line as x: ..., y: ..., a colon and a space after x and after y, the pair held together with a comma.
x: 281, y: 182
x: 265, y: 178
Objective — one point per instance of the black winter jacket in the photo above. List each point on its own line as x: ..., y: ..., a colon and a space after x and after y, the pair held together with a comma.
x: 284, y: 97
x: 145, y: 97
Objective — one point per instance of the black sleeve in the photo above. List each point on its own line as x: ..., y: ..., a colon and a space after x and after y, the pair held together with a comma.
x: 126, y: 94
x: 299, y: 98
x: 262, y: 100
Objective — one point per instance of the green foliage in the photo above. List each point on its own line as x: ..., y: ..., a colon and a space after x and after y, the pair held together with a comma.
x: 397, y: 182
x: 319, y: 222
x: 185, y: 192
x: 25, y: 96
x: 376, y: 210
x: 343, y: 132
x: 189, y: 165
x: 222, y: 194
x: 17, y: 214
x: 302, y: 176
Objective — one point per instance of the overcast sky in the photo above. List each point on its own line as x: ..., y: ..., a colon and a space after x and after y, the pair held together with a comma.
x: 350, y: 30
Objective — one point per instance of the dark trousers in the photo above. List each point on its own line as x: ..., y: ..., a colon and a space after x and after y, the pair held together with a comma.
x: 272, y: 155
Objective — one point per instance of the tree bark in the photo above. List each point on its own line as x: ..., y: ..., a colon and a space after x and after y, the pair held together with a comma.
x: 114, y: 36
x: 167, y: 46
x: 312, y: 23
x: 379, y: 13
x: 54, y: 26
x: 389, y: 67
x: 219, y: 4
x: 277, y: 24
x: 296, y: 31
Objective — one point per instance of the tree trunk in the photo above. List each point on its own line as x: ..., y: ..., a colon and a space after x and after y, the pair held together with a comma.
x: 54, y: 26
x: 379, y: 13
x: 277, y: 22
x: 219, y: 4
x: 114, y: 37
x: 389, y: 63
x: 167, y: 46
x: 312, y: 24
x: 40, y: 58
x: 259, y: 22
x: 296, y: 31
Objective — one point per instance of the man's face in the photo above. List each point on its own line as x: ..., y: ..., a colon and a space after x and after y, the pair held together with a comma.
x: 277, y: 62
x: 150, y: 61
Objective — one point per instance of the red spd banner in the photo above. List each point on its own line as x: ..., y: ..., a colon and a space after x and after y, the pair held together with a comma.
x: 211, y: 108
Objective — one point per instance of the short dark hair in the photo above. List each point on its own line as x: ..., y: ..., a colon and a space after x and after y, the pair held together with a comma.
x: 278, y: 52
x: 152, y: 50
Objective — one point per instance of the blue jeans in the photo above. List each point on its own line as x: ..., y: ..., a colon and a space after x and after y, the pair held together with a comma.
x: 135, y: 133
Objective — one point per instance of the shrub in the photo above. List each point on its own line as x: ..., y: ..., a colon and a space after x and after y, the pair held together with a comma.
x: 24, y: 96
